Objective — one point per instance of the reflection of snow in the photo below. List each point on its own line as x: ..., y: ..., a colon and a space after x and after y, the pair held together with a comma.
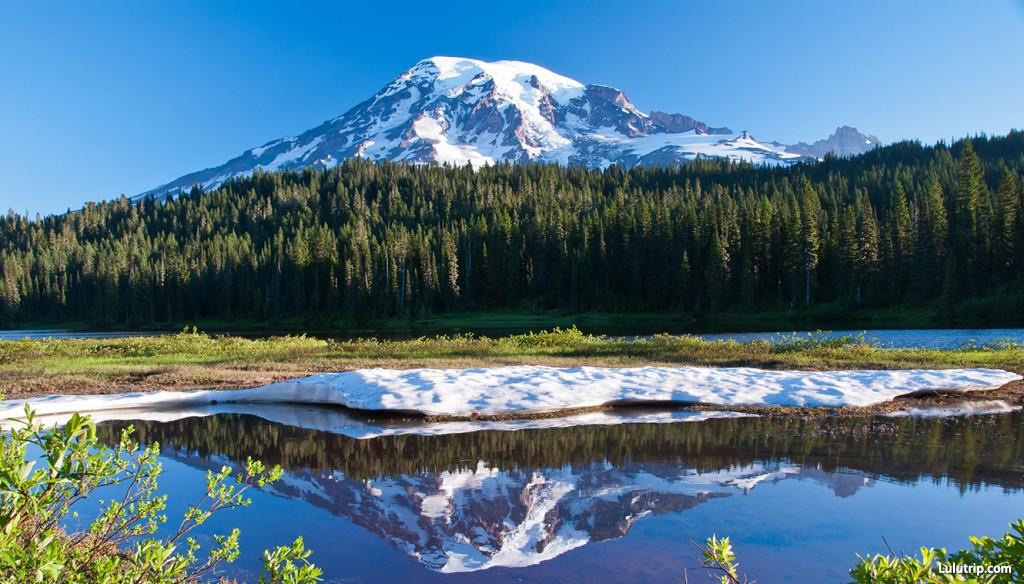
x: 340, y: 421
x: 482, y: 517
x: 973, y: 408
x: 530, y: 541
x: 531, y: 388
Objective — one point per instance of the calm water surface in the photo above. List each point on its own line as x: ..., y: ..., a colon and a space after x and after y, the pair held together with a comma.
x: 799, y: 497
x: 35, y: 334
x: 895, y: 338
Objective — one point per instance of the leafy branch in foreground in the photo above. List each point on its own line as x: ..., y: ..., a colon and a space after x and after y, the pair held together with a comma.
x: 44, y: 473
x: 997, y: 560
x: 988, y: 561
x: 718, y: 557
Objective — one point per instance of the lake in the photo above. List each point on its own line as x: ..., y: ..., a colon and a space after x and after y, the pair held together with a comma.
x: 894, y: 338
x: 37, y: 334
x: 799, y: 497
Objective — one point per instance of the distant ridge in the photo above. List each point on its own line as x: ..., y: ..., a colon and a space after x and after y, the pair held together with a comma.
x: 845, y: 141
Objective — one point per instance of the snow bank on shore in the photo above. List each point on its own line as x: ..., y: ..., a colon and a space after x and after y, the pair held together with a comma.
x: 530, y: 389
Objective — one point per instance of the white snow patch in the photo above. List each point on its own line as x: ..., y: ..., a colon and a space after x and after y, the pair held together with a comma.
x: 295, y: 153
x: 454, y: 74
x: 740, y: 147
x: 528, y: 389
x: 431, y: 130
x: 259, y: 150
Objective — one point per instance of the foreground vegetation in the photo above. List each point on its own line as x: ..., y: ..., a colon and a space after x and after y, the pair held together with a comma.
x: 192, y: 359
x: 45, y: 475
x: 987, y: 561
x: 937, y: 228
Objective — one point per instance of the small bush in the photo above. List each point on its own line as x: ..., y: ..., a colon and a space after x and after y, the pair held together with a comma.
x: 934, y: 564
x: 987, y: 561
x: 39, y: 493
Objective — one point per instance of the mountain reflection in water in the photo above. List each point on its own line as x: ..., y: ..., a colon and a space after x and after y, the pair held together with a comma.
x: 469, y: 502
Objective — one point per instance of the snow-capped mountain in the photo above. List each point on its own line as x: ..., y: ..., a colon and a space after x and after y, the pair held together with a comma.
x: 466, y: 111
x: 845, y: 141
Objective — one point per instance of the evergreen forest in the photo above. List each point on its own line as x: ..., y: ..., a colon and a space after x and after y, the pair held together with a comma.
x: 938, y: 227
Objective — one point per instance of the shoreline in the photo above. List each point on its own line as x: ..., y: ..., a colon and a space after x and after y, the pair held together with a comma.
x: 510, y: 321
x: 191, y: 361
x: 1011, y: 395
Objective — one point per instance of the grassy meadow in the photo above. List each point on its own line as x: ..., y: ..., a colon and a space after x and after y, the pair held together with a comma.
x: 191, y: 360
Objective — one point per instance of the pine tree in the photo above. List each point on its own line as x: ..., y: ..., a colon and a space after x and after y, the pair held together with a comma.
x: 450, y: 259
x: 970, y: 192
x: 717, y: 271
x: 848, y: 252
x: 903, y: 239
x: 868, y: 252
x: 932, y: 240
x: 810, y: 242
x: 1004, y: 231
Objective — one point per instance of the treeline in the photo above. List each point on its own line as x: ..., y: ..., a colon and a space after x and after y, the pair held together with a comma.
x: 937, y: 226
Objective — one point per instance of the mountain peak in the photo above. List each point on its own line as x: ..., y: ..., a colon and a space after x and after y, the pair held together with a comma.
x: 844, y: 141
x: 459, y: 110
x: 454, y: 73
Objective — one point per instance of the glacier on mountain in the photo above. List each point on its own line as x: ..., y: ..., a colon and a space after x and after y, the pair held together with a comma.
x: 449, y: 110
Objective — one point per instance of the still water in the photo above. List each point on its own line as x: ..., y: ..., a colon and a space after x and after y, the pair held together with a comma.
x: 799, y: 497
x: 893, y: 338
x: 37, y: 334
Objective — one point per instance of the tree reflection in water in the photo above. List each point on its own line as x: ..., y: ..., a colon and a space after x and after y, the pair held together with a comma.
x: 467, y: 502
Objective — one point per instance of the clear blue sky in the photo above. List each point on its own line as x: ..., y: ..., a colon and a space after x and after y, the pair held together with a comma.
x: 103, y: 97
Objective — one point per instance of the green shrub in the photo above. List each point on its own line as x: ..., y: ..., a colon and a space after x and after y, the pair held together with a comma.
x: 819, y: 340
x: 933, y: 565
x: 987, y: 561
x: 718, y: 557
x: 44, y: 473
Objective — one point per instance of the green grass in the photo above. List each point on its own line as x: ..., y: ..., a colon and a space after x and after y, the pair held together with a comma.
x: 30, y: 367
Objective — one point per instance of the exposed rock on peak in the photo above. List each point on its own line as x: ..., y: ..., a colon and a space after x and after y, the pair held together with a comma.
x: 466, y: 111
x: 678, y: 123
x: 845, y: 141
